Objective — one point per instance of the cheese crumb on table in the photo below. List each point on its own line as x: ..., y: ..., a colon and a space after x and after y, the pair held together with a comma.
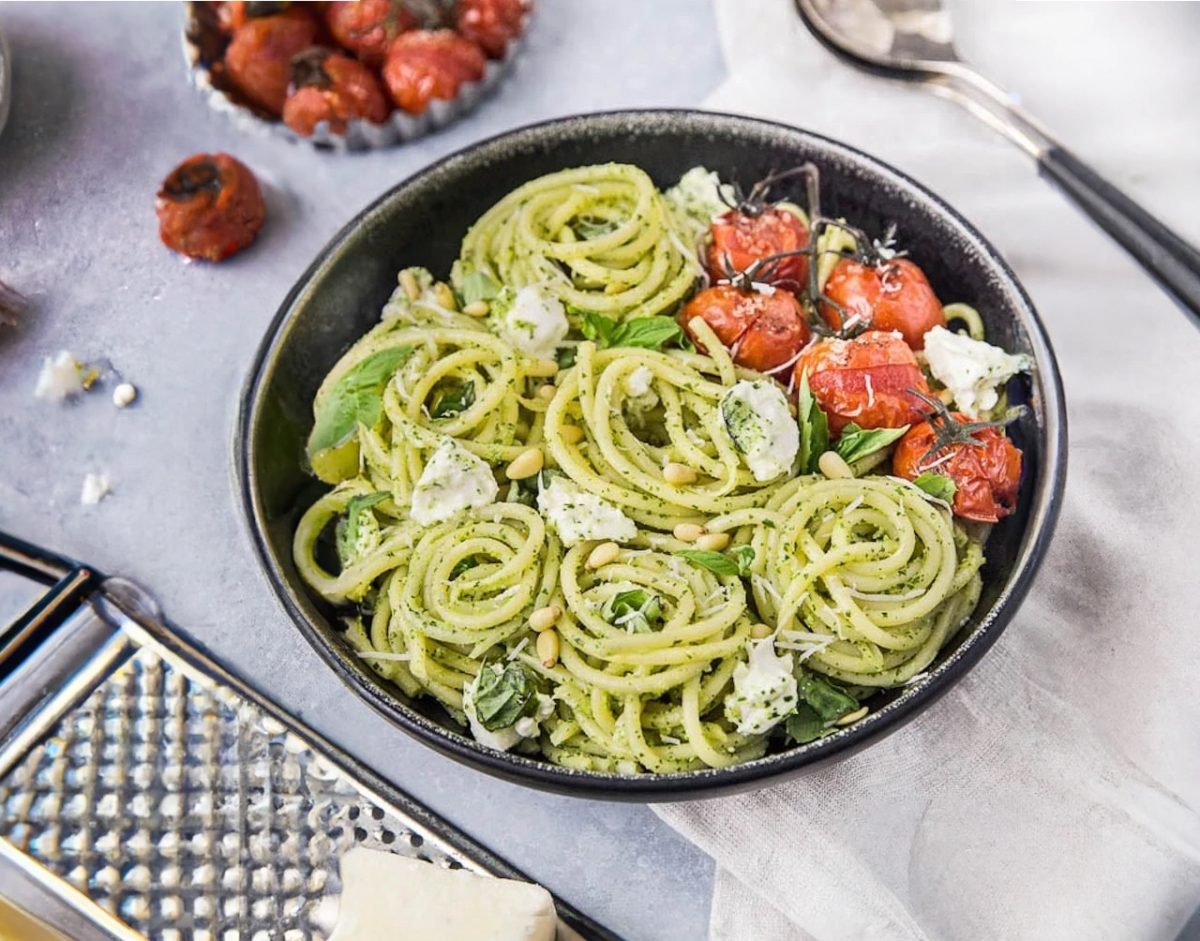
x: 61, y: 377
x: 95, y: 488
x: 386, y: 896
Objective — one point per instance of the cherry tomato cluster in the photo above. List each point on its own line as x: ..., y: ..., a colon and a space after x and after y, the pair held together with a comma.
x: 343, y: 61
x: 762, y: 305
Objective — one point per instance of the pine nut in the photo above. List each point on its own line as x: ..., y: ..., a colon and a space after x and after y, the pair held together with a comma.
x: 678, y: 474
x: 546, y: 391
x: 834, y: 467
x: 548, y: 646
x: 688, y: 532
x: 545, y: 618
x: 571, y: 434
x: 408, y: 281
x: 603, y: 554
x: 713, y: 542
x: 526, y: 464
x: 760, y: 631
x: 445, y: 296
x: 851, y: 717
x: 477, y: 309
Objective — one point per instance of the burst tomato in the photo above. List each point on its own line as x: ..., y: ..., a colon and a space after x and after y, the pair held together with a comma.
x: 426, y: 64
x: 367, y: 27
x: 865, y: 380
x: 259, y: 58
x: 328, y: 86
x: 987, y: 474
x: 235, y: 13
x: 741, y: 239
x: 892, y: 295
x: 763, y: 330
x: 209, y: 207
x: 493, y: 24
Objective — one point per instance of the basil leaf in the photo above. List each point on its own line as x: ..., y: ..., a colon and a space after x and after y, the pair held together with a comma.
x: 814, y: 428
x: 938, y: 486
x: 829, y: 702
x: 358, y: 533
x: 502, y: 696
x: 453, y: 399
x: 856, y: 443
x: 741, y: 421
x: 463, y: 565
x: 637, y: 610
x: 743, y: 557
x: 650, y: 333
x: 478, y: 286
x: 713, y: 561
x: 805, y: 725
x: 356, y: 399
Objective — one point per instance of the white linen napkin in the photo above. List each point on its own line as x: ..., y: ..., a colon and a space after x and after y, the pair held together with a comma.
x: 1055, y: 792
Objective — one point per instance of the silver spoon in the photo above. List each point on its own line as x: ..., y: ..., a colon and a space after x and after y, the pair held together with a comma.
x: 914, y: 40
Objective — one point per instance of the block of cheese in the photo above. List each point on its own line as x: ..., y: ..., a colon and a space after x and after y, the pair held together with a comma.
x: 386, y: 897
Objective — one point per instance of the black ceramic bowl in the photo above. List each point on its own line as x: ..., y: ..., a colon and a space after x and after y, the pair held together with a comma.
x: 422, y: 220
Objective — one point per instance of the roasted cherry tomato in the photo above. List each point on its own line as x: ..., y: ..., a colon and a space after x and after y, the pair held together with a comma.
x: 763, y: 330
x: 209, y: 207
x: 493, y: 24
x: 235, y: 13
x: 742, y: 238
x: 892, y: 295
x: 987, y: 474
x: 426, y: 64
x: 367, y: 27
x: 259, y: 58
x: 865, y: 381
x: 329, y: 86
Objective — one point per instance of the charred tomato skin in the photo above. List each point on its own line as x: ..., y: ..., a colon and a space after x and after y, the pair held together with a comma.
x: 762, y: 329
x: 491, y: 24
x: 259, y: 58
x: 209, y: 207
x: 423, y: 65
x: 235, y: 13
x: 367, y: 27
x: 741, y: 239
x: 987, y: 476
x: 891, y: 295
x: 865, y: 380
x: 332, y: 87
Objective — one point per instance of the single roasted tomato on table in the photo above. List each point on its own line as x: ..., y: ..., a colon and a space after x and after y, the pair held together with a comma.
x: 865, y: 380
x: 492, y: 24
x: 977, y: 457
x: 328, y: 86
x: 426, y: 64
x: 890, y: 295
x: 259, y: 58
x: 748, y: 235
x: 209, y: 207
x: 367, y: 27
x: 762, y: 329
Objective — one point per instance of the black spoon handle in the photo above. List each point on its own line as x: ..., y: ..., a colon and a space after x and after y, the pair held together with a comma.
x: 1168, y: 258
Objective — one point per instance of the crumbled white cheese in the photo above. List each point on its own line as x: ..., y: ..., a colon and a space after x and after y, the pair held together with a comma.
x: 971, y: 369
x: 695, y: 201
x: 453, y: 480
x: 758, y: 420
x: 61, y: 377
x: 124, y: 394
x: 504, y: 739
x: 533, y: 321
x: 577, y: 515
x: 764, y: 690
x: 386, y: 895
x: 95, y: 488
x: 638, y: 382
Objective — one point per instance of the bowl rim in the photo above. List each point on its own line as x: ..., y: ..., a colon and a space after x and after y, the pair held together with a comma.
x: 772, y: 768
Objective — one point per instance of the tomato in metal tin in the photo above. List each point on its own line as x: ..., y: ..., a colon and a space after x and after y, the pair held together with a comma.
x: 740, y: 239
x: 328, y: 86
x: 890, y: 295
x: 762, y: 330
x: 209, y: 207
x: 259, y: 58
x: 986, y: 472
x: 367, y: 27
x: 423, y: 65
x: 492, y: 24
x: 865, y: 380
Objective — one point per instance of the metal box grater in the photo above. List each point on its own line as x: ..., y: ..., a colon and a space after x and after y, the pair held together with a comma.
x: 157, y: 796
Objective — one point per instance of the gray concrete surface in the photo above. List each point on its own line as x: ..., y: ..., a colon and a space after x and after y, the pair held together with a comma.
x: 102, y: 110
